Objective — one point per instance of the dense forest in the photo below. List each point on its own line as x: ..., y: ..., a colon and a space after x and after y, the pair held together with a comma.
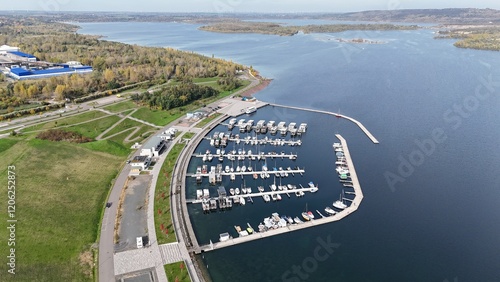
x: 170, y: 97
x: 285, y: 30
x: 115, y: 64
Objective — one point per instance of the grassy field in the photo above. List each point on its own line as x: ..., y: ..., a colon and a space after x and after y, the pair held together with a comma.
x: 160, y: 118
x: 108, y: 146
x: 125, y: 124
x: 205, y: 79
x: 188, y: 135
x: 177, y: 272
x: 121, y: 106
x: 67, y: 121
x: 60, y: 195
x: 6, y: 144
x: 94, y: 128
x: 162, y: 198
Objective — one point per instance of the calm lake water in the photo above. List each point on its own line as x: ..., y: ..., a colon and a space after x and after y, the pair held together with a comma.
x: 433, y: 107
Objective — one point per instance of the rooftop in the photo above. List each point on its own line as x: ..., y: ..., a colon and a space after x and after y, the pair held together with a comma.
x: 139, y: 159
x: 153, y: 142
x: 21, y: 54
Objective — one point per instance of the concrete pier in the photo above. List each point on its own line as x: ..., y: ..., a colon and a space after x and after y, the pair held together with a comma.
x: 293, y: 227
x: 359, y: 124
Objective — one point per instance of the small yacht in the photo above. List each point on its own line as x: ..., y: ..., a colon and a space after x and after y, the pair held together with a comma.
x: 339, y: 204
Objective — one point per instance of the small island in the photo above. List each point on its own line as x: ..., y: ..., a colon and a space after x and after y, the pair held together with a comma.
x: 284, y: 30
x: 480, y: 37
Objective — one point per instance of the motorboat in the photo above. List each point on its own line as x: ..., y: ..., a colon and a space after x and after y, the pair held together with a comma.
x: 330, y: 211
x: 266, y: 198
x: 297, y: 220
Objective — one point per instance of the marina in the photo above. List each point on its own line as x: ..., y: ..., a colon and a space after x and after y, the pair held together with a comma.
x: 278, y: 173
x: 359, y: 124
x: 282, y: 226
x: 208, y: 156
x: 259, y: 194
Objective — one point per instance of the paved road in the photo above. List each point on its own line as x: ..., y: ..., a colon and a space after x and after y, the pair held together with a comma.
x: 106, y: 244
x: 128, y: 261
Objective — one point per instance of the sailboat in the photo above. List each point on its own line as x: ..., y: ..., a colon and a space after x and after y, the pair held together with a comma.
x: 339, y: 204
x: 273, y: 186
x: 305, y: 215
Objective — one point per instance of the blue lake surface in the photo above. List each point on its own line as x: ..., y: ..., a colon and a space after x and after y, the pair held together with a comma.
x: 438, y: 216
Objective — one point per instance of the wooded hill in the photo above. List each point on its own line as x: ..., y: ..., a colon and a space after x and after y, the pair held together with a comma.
x: 115, y: 64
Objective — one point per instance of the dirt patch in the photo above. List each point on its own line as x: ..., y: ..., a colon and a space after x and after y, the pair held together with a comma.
x: 263, y: 84
x: 87, y: 261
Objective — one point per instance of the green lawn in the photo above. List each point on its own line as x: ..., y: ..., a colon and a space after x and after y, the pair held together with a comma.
x: 205, y: 79
x: 188, y: 135
x: 108, y: 146
x: 160, y: 118
x: 162, y: 198
x: 120, y: 139
x: 94, y: 128
x: 61, y: 189
x: 125, y: 124
x: 88, y: 115
x: 6, y: 144
x: 177, y: 272
x: 121, y: 106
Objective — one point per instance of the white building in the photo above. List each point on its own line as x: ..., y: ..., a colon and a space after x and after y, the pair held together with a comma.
x: 141, y: 162
x: 6, y: 48
x: 153, y: 147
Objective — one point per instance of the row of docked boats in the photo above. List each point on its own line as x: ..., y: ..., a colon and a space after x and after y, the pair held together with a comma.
x: 342, y: 170
x: 271, y: 126
x: 216, y: 140
x: 242, y: 154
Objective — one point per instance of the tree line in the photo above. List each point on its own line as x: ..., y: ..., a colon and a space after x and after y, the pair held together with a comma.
x: 115, y: 64
x: 175, y: 96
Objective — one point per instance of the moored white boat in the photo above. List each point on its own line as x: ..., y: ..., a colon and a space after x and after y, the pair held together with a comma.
x: 339, y: 204
x: 330, y: 211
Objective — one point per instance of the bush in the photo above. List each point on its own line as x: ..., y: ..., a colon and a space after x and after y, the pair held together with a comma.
x: 61, y: 135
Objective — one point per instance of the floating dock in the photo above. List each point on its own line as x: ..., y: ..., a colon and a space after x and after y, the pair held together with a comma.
x: 260, y: 194
x: 359, y: 124
x: 275, y: 172
x: 251, y: 156
x: 293, y: 227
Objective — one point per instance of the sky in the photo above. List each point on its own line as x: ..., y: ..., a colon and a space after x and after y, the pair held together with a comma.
x: 215, y: 6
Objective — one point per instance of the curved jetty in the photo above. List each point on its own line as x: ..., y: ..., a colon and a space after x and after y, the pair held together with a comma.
x: 359, y: 124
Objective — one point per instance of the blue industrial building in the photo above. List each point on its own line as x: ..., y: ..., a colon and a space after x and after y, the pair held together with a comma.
x: 27, y: 56
x: 22, y: 73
